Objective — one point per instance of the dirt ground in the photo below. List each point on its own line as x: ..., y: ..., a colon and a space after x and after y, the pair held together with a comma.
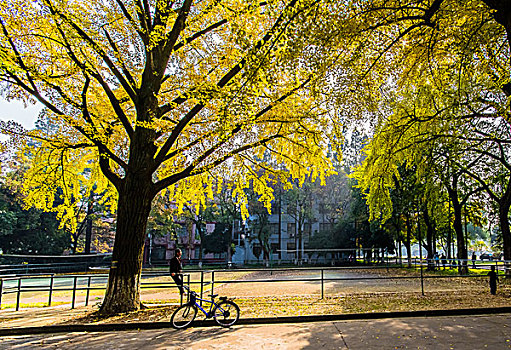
x: 285, y: 296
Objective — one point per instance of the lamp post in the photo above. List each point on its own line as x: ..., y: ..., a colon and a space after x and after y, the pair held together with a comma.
x: 420, y: 248
x: 150, y: 248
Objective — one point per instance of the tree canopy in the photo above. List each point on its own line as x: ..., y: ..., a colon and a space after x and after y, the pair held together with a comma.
x: 450, y: 65
x: 153, y: 96
x: 150, y: 96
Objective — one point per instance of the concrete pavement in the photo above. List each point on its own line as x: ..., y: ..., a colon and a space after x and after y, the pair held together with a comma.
x: 440, y: 332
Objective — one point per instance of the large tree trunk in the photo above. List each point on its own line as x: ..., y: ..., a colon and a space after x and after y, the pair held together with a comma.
x: 449, y: 235
x: 506, y: 234
x: 460, y: 236
x: 134, y: 205
x: 502, y: 14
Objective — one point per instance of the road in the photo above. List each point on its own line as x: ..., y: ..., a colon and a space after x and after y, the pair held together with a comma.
x: 478, y: 332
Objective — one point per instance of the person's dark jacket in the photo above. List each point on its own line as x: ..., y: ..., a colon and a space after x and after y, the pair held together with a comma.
x: 175, y: 265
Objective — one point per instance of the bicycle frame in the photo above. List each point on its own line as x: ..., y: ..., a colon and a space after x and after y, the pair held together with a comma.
x: 211, y: 307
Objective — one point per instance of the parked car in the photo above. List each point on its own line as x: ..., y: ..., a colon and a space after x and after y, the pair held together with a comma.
x: 486, y: 256
x: 497, y: 256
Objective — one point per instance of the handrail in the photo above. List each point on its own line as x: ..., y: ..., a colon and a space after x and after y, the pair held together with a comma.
x: 83, y: 282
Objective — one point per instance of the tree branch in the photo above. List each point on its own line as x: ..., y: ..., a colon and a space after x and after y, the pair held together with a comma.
x: 82, y: 34
x: 192, y: 171
x: 141, y: 33
x: 160, y: 156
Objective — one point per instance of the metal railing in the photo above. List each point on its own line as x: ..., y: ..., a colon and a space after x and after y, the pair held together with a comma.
x: 90, y: 282
x: 32, y: 269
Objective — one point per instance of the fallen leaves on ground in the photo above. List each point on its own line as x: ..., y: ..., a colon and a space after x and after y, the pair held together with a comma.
x: 311, y: 305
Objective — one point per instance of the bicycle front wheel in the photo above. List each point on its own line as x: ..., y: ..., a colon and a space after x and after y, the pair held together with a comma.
x: 226, y: 313
x: 183, y: 316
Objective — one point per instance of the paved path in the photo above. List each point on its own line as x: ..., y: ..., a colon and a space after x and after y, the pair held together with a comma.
x: 476, y: 332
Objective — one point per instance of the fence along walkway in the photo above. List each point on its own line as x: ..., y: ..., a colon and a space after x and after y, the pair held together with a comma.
x: 31, y: 290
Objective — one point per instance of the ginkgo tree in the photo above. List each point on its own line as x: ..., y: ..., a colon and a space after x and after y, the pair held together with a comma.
x: 448, y: 65
x: 153, y: 96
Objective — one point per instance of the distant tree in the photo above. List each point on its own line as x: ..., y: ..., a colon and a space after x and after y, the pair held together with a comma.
x: 224, y: 211
x: 299, y: 207
x: 259, y: 226
x: 219, y: 240
x: 29, y: 231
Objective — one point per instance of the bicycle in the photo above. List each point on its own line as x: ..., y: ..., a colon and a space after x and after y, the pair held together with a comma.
x: 225, y: 313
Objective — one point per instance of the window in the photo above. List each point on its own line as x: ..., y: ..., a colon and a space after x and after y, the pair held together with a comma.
x: 158, y: 253
x: 291, y: 229
x: 181, y: 231
x: 274, y: 229
x: 291, y: 246
x: 307, y: 228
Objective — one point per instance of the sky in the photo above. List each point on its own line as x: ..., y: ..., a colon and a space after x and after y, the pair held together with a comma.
x: 14, y: 110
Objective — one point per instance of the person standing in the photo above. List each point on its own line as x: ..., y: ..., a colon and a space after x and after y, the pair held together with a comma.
x: 176, y: 269
x: 474, y: 260
x: 493, y: 280
x: 444, y: 260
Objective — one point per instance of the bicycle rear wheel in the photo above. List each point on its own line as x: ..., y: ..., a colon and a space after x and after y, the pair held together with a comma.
x: 226, y: 313
x: 183, y: 316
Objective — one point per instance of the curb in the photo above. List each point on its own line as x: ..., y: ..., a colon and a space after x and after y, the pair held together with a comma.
x: 108, y: 327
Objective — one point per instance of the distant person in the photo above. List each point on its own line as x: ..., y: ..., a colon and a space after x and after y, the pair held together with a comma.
x: 437, y: 260
x: 444, y: 260
x: 175, y: 269
x: 474, y: 260
x: 493, y: 280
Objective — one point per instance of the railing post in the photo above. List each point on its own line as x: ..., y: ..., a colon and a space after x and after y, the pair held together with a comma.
x: 74, y: 293
x: 188, y: 283
x: 213, y: 282
x: 18, y: 294
x: 88, y: 291
x: 51, y: 290
x: 1, y: 291
x: 179, y: 290
x: 422, y: 279
x: 201, y: 285
x: 322, y: 284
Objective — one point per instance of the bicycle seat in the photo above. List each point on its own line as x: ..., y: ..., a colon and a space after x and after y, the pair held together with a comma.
x: 213, y: 295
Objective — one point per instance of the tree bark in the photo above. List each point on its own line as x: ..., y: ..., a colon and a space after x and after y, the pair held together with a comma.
x: 458, y: 229
x: 504, y: 206
x: 123, y: 291
x: 502, y: 14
